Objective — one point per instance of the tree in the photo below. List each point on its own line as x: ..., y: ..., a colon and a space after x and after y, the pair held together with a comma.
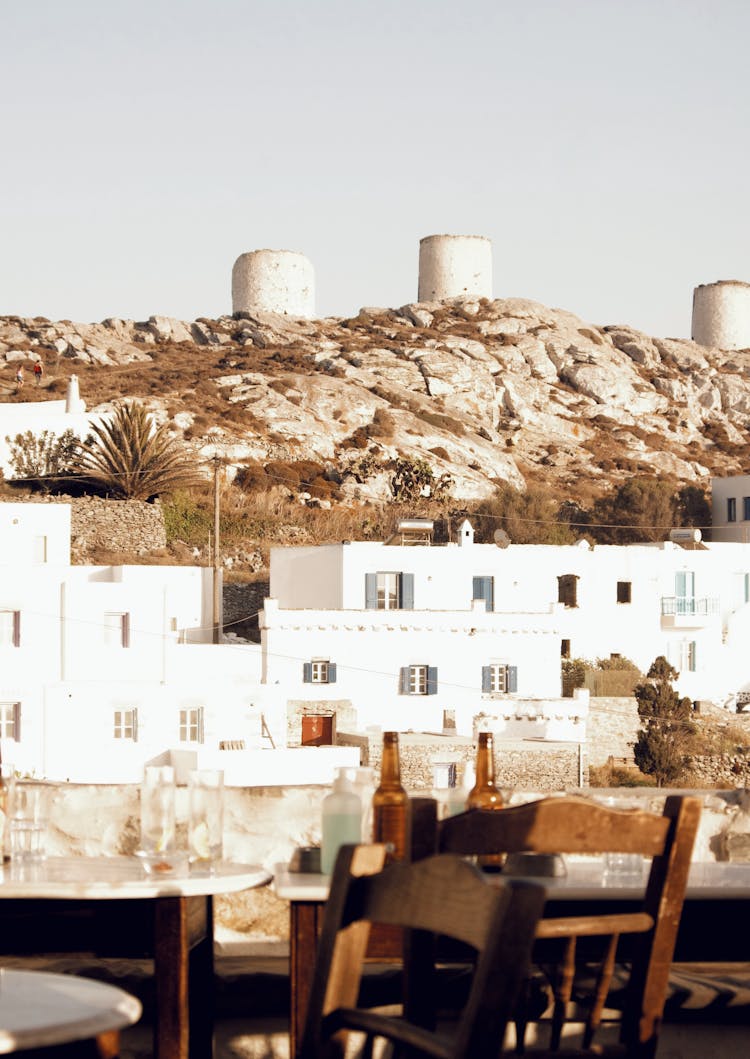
x: 131, y: 458
x: 641, y: 509
x: 666, y: 725
x: 45, y: 455
x: 528, y: 517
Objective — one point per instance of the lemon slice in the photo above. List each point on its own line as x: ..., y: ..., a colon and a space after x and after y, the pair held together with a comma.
x: 201, y: 845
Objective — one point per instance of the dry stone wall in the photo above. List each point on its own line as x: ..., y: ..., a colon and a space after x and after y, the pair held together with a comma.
x: 127, y: 526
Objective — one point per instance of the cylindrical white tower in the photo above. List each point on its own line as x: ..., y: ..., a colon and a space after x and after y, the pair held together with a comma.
x: 454, y: 266
x: 273, y: 281
x: 721, y: 314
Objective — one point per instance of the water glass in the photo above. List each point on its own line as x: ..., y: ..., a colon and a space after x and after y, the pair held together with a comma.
x: 206, y: 818
x: 158, y: 797
x: 623, y: 868
x: 28, y: 820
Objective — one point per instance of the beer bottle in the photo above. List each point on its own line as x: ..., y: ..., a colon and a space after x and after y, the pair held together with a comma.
x: 390, y: 801
x: 485, y: 795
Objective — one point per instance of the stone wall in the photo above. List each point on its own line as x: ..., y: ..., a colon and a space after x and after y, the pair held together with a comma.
x: 127, y: 526
x: 611, y: 729
x: 242, y: 604
x: 519, y: 765
x: 263, y: 825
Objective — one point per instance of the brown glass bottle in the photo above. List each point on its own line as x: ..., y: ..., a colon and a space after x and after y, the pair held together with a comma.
x: 485, y: 795
x: 390, y: 801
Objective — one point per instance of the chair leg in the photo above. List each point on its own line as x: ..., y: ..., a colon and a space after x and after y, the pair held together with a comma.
x: 600, y: 994
x: 563, y: 990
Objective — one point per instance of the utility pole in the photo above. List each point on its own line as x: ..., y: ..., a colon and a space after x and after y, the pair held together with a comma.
x: 217, y: 557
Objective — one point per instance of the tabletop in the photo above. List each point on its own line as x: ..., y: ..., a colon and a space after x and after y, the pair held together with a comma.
x: 584, y: 880
x: 108, y: 878
x: 39, y: 1009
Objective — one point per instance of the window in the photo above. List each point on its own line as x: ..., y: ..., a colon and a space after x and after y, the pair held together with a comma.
x: 731, y: 509
x: 39, y: 550
x: 10, y: 720
x: 624, y: 589
x: 418, y: 680
x: 498, y: 678
x: 389, y: 591
x: 116, y: 629
x: 319, y: 672
x: 565, y: 648
x: 686, y: 656
x: 10, y: 628
x: 567, y: 590
x: 191, y: 725
x: 746, y: 509
x: 484, y: 588
x: 126, y: 724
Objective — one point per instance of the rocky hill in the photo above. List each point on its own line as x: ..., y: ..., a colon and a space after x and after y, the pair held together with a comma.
x: 483, y: 390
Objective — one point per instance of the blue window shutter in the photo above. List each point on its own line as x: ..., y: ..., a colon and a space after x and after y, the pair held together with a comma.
x: 486, y: 678
x: 747, y: 588
x: 482, y: 588
x: 693, y: 657
x: 331, y: 672
x: 307, y: 672
x: 403, y: 680
x: 406, y: 585
x: 680, y: 584
x: 512, y: 678
x: 432, y: 680
x: 371, y: 591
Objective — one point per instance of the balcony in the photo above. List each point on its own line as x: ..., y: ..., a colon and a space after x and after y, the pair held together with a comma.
x: 688, y: 612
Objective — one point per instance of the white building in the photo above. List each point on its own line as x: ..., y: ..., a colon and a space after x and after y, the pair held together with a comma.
x: 408, y: 631
x: 36, y: 417
x: 730, y: 508
x: 105, y: 668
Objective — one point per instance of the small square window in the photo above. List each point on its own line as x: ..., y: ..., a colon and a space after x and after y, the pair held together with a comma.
x: 10, y: 628
x: 191, y: 725
x: 126, y: 724
x: 731, y: 509
x: 319, y: 672
x: 10, y: 720
x: 746, y: 509
x: 417, y: 680
x: 624, y: 590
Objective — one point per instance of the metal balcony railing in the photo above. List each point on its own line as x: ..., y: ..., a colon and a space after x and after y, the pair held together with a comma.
x: 689, y: 606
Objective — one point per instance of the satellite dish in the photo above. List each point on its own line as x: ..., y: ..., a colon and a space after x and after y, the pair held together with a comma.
x: 501, y: 538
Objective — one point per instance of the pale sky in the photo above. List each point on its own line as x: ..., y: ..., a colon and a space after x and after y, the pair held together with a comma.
x: 602, y: 146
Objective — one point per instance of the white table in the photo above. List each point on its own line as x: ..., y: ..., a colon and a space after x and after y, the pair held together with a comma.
x: 717, y: 906
x: 39, y: 1009
x: 171, y: 917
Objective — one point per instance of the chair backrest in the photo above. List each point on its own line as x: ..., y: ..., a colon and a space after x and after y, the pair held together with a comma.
x: 440, y: 895
x: 580, y: 825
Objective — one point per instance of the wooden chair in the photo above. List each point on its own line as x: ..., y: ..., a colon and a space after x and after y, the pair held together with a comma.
x: 439, y: 895
x: 579, y: 825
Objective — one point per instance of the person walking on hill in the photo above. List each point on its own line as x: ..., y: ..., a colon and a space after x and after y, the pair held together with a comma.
x: 38, y: 372
x: 19, y: 377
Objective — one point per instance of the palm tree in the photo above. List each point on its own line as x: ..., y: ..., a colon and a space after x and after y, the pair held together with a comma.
x: 131, y: 458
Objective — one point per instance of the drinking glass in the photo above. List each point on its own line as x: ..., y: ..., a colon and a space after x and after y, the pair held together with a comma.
x: 158, y: 813
x: 28, y: 818
x: 206, y: 818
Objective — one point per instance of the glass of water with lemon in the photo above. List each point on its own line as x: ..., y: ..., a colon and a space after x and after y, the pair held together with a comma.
x: 206, y: 818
